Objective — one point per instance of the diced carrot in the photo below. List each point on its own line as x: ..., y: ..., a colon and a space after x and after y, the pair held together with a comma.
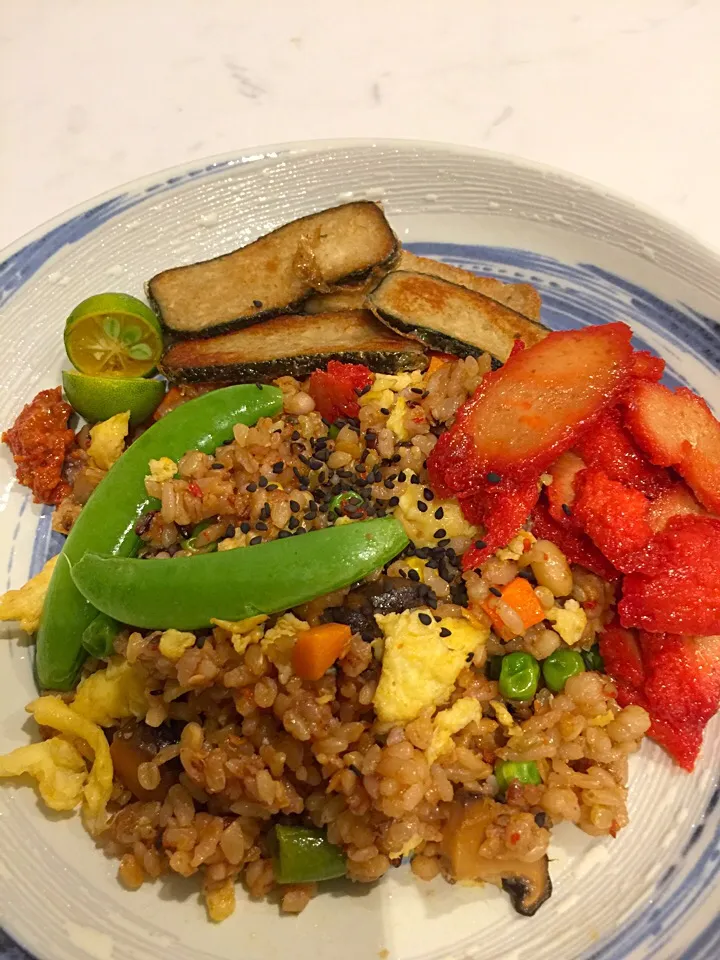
x: 438, y: 360
x: 520, y: 596
x: 317, y: 649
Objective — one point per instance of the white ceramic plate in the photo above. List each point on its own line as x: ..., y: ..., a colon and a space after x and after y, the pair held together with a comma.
x: 649, y: 893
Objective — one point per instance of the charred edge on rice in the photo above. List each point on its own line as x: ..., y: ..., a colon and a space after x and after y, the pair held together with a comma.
x: 520, y: 297
x: 276, y: 273
x: 293, y: 345
x: 448, y: 317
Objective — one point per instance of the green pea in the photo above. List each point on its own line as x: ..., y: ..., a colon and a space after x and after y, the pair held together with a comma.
x: 519, y: 675
x: 592, y: 659
x: 560, y: 666
x: 344, y: 502
x: 508, y: 770
x: 333, y: 431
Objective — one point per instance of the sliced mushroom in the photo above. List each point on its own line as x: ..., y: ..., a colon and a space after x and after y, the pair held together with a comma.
x: 383, y: 595
x: 527, y: 883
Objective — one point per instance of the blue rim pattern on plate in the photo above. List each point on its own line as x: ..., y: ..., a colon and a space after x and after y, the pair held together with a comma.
x: 573, y: 295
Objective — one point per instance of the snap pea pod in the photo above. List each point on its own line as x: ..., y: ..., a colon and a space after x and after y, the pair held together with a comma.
x: 186, y: 592
x: 304, y: 855
x: 99, y: 635
x: 107, y: 522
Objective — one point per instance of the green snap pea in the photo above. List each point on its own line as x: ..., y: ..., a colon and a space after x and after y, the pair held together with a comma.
x: 99, y: 636
x: 519, y: 674
x: 186, y: 592
x: 107, y: 522
x: 592, y: 659
x: 560, y: 666
x: 508, y: 770
x: 343, y: 503
x: 305, y: 855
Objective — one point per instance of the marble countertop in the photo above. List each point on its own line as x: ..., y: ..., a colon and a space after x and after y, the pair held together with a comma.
x: 96, y: 94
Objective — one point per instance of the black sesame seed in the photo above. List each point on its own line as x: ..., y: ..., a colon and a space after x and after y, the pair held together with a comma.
x: 422, y: 506
x: 480, y: 544
x: 272, y: 486
x: 299, y: 531
x: 283, y: 534
x: 431, y: 600
x: 217, y: 466
x: 351, y: 766
x: 566, y: 510
x: 414, y: 479
x: 255, y: 541
x: 393, y: 501
x: 440, y: 534
x: 265, y: 512
x: 259, y: 386
x: 385, y: 411
x: 294, y: 506
x: 525, y: 574
x: 230, y: 530
x: 541, y: 819
x: 402, y: 477
x: 278, y: 467
x: 396, y: 458
x: 425, y: 619
x: 263, y: 482
x: 309, y: 516
x: 416, y: 390
x: 345, y: 474
x: 493, y: 477
x: 444, y: 632
x: 251, y: 487
x: 315, y: 464
x: 444, y: 542
x: 428, y: 494
x: 495, y: 592
x: 389, y: 484
x: 245, y: 527
x: 295, y: 435
x: 257, y: 303
x: 414, y: 575
x: 261, y: 525
x: 439, y: 513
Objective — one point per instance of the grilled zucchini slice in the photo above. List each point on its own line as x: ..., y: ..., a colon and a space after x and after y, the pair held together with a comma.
x: 276, y: 273
x: 292, y: 345
x: 520, y: 297
x: 349, y: 298
x: 447, y: 317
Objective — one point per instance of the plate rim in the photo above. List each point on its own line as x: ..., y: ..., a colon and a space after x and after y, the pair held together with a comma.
x: 263, y: 154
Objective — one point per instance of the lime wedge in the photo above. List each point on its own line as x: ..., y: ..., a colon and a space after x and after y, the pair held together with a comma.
x: 113, y: 335
x: 97, y: 398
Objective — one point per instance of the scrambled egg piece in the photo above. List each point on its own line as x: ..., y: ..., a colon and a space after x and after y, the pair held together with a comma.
x: 503, y: 715
x: 162, y: 469
x: 51, y: 712
x: 220, y: 901
x: 516, y: 548
x: 421, y: 527
x: 570, y: 620
x: 284, y: 633
x: 603, y: 720
x: 26, y: 604
x: 386, y: 386
x: 243, y: 632
x: 112, y: 694
x: 57, y: 766
x: 396, y: 420
x: 420, y: 666
x: 107, y: 440
x: 449, y: 722
x: 174, y: 643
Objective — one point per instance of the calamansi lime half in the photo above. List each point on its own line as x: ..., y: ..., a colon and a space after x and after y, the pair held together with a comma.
x: 98, y: 398
x: 113, y: 335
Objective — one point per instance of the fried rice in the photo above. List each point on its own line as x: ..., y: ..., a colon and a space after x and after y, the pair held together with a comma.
x: 231, y: 742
